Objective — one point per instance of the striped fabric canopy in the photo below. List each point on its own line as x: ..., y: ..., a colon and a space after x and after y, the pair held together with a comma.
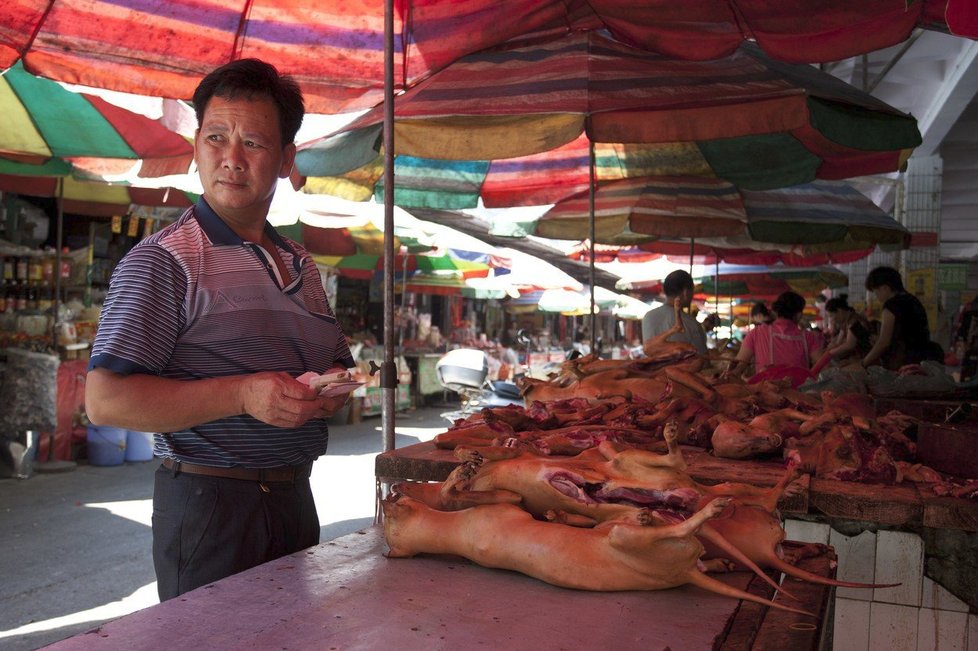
x: 365, y: 266
x: 568, y: 302
x: 825, y: 222
x: 43, y: 120
x: 747, y: 119
x: 354, y: 247
x: 335, y: 49
x: 743, y: 250
x: 769, y: 282
x: 760, y: 282
x: 361, y: 238
x: 645, y: 208
x: 820, y: 213
x: 92, y: 197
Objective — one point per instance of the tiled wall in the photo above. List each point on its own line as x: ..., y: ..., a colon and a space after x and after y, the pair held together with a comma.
x: 918, y: 615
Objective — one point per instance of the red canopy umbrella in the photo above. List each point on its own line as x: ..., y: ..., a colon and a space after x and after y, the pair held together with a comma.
x: 645, y: 208
x: 789, y: 30
x: 94, y: 198
x: 813, y: 224
x: 335, y: 50
x: 749, y: 281
x: 42, y: 121
x: 164, y: 47
x: 747, y: 119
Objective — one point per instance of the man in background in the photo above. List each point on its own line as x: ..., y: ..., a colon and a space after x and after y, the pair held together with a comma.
x: 677, y: 285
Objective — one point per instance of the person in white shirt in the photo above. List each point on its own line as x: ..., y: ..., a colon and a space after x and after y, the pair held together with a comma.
x: 678, y: 284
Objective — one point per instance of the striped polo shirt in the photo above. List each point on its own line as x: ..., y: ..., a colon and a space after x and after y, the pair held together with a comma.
x: 196, y: 301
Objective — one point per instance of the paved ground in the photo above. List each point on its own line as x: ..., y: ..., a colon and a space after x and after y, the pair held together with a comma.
x: 75, y: 548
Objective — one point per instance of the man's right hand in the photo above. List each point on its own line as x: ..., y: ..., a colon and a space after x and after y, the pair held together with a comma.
x: 279, y: 399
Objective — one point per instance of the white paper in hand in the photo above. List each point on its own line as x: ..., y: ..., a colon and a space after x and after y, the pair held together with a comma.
x: 339, y: 388
x: 330, y: 384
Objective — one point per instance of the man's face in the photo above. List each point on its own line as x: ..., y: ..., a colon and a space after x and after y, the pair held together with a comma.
x: 686, y: 298
x: 240, y: 157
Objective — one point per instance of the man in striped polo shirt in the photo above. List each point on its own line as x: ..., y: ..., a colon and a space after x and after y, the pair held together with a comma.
x: 205, y: 328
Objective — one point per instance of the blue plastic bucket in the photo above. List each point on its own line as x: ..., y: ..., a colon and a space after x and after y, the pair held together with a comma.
x: 106, y: 445
x: 139, y: 446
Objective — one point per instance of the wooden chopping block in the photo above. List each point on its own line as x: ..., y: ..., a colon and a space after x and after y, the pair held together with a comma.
x: 949, y: 448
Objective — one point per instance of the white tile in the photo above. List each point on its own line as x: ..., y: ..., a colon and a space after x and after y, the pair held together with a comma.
x: 972, y: 632
x: 802, y: 531
x: 899, y: 559
x: 942, y: 629
x: 892, y: 627
x: 857, y: 562
x: 851, y: 625
x: 934, y: 595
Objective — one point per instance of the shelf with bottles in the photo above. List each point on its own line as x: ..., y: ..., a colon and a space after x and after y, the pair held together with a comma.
x: 28, y: 281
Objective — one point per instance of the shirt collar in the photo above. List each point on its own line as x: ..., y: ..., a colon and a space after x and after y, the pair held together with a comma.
x: 785, y: 324
x: 219, y: 233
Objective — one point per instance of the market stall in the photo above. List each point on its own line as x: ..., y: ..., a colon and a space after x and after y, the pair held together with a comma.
x: 345, y: 594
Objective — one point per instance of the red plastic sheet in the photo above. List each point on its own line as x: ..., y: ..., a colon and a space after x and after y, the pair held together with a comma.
x: 71, y: 402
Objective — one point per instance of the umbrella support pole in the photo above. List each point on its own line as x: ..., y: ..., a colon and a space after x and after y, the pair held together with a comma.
x: 56, y: 303
x: 716, y: 295
x: 593, y: 232
x: 388, y: 371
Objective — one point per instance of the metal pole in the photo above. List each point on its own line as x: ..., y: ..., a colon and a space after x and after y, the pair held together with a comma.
x: 716, y: 294
x: 56, y: 303
x: 388, y: 370
x: 400, y: 330
x: 592, y: 234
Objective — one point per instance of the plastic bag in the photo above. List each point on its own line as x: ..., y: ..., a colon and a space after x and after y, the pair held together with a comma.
x: 29, y: 392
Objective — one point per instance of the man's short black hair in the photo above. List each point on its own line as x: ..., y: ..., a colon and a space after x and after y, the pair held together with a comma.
x: 253, y: 78
x: 788, y: 305
x: 760, y: 308
x: 884, y: 276
x: 676, y: 282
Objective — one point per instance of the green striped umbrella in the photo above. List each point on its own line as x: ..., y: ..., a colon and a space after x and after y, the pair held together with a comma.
x: 513, y: 126
x: 43, y: 121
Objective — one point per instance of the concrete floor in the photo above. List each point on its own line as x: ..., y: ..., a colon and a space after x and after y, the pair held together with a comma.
x: 75, y: 548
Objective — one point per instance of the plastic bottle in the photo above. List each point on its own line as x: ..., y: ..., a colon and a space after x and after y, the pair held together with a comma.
x: 47, y: 269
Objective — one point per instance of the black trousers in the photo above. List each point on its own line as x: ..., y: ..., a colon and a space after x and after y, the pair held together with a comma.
x: 207, y: 528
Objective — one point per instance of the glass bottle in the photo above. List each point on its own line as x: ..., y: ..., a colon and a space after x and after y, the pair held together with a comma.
x: 45, y: 298
x: 35, y: 271
x: 9, y: 270
x: 65, y: 264
x: 31, y: 296
x: 20, y: 303
x: 47, y: 269
x: 21, y: 270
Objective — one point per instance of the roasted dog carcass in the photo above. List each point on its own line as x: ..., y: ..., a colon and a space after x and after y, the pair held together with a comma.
x: 636, y: 517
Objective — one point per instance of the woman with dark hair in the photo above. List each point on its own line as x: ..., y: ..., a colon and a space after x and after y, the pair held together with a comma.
x: 853, y: 329
x: 781, y: 343
x: 904, y: 334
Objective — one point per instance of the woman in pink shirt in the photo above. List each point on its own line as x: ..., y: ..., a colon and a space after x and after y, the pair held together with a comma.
x: 781, y: 343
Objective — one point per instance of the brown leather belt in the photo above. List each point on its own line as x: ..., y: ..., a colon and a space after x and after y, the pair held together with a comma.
x: 280, y: 474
